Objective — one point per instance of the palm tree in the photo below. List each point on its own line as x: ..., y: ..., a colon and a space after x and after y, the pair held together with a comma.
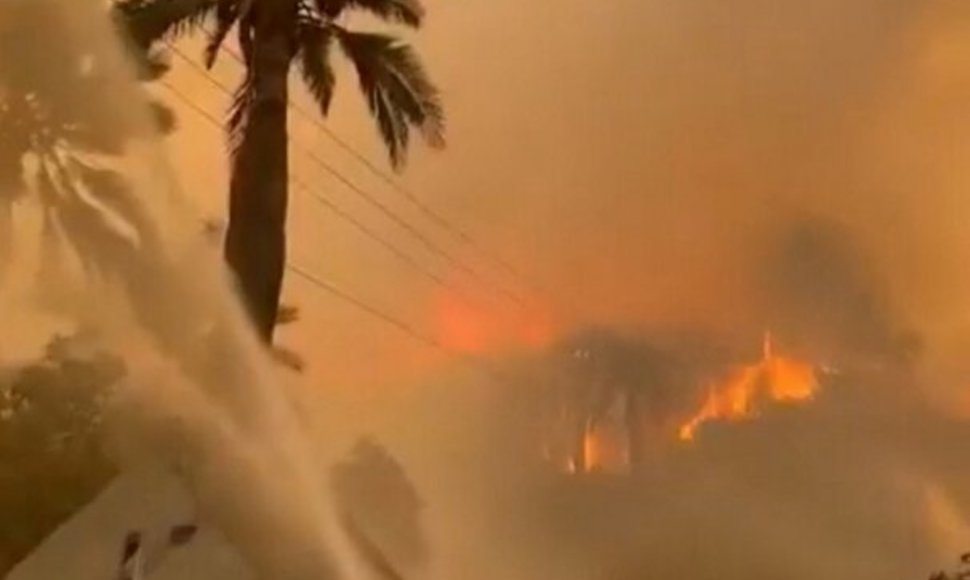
x: 62, y: 145
x: 57, y: 127
x: 275, y: 35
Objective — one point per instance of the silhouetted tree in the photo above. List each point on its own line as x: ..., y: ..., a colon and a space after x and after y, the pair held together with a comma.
x: 381, y: 506
x: 59, y: 130
x: 286, y: 313
x: 60, y: 136
x: 607, y: 367
x: 273, y: 35
x: 51, y: 461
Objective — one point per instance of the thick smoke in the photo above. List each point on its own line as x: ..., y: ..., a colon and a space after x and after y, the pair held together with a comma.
x: 689, y: 175
x: 121, y: 259
x: 661, y: 147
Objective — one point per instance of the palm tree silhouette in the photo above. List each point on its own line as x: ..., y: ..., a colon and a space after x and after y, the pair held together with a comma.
x: 59, y: 131
x: 273, y: 37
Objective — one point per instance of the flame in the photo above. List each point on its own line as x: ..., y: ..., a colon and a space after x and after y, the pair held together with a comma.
x: 776, y: 377
x: 604, y: 452
x: 602, y: 445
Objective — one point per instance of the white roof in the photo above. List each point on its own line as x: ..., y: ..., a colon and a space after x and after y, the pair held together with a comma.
x: 88, y: 546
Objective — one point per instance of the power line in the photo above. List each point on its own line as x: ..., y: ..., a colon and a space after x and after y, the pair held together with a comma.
x: 397, y: 323
x: 360, y: 192
x: 192, y: 104
x: 342, y: 213
x: 363, y: 306
x: 370, y: 233
x: 347, y: 297
x: 429, y: 244
x: 317, y: 281
x: 411, y: 229
x: 423, y: 207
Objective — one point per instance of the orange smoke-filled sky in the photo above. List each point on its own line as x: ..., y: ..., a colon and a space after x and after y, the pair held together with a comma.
x: 631, y: 158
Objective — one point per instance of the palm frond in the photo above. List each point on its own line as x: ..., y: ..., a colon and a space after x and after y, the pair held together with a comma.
x: 150, y: 63
x: 164, y: 117
x: 287, y: 314
x: 111, y: 189
x: 92, y: 139
x: 149, y: 21
x: 245, y: 33
x: 314, y: 58
x: 226, y: 15
x: 409, y: 12
x: 238, y: 120
x: 61, y: 210
x: 288, y: 358
x: 398, y: 91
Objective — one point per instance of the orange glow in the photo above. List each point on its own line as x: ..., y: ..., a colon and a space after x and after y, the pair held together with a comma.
x: 603, y: 448
x: 536, y: 331
x: 604, y: 452
x: 461, y: 327
x: 472, y: 327
x: 775, y: 377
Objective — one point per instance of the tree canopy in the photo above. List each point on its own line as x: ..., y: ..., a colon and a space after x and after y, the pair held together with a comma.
x: 51, y: 456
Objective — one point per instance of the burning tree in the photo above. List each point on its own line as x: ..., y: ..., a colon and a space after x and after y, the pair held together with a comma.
x: 613, y: 384
x: 619, y: 394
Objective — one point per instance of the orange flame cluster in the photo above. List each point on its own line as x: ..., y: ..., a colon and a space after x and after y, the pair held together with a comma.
x: 774, y: 377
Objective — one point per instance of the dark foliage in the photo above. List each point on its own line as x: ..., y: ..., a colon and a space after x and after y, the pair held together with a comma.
x: 51, y: 461
x: 394, y: 83
x: 59, y: 129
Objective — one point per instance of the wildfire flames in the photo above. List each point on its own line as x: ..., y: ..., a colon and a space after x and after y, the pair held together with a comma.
x: 599, y: 444
x: 584, y: 442
x: 605, y: 451
x: 775, y: 377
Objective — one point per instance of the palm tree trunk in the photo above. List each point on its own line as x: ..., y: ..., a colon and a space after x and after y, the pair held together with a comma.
x: 256, y: 235
x: 634, y: 430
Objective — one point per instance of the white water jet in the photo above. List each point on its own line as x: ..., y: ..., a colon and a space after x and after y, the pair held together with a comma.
x: 121, y: 257
x: 797, y: 496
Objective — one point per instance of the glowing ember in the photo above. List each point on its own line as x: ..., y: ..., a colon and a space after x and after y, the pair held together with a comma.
x: 774, y: 377
x: 605, y: 452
